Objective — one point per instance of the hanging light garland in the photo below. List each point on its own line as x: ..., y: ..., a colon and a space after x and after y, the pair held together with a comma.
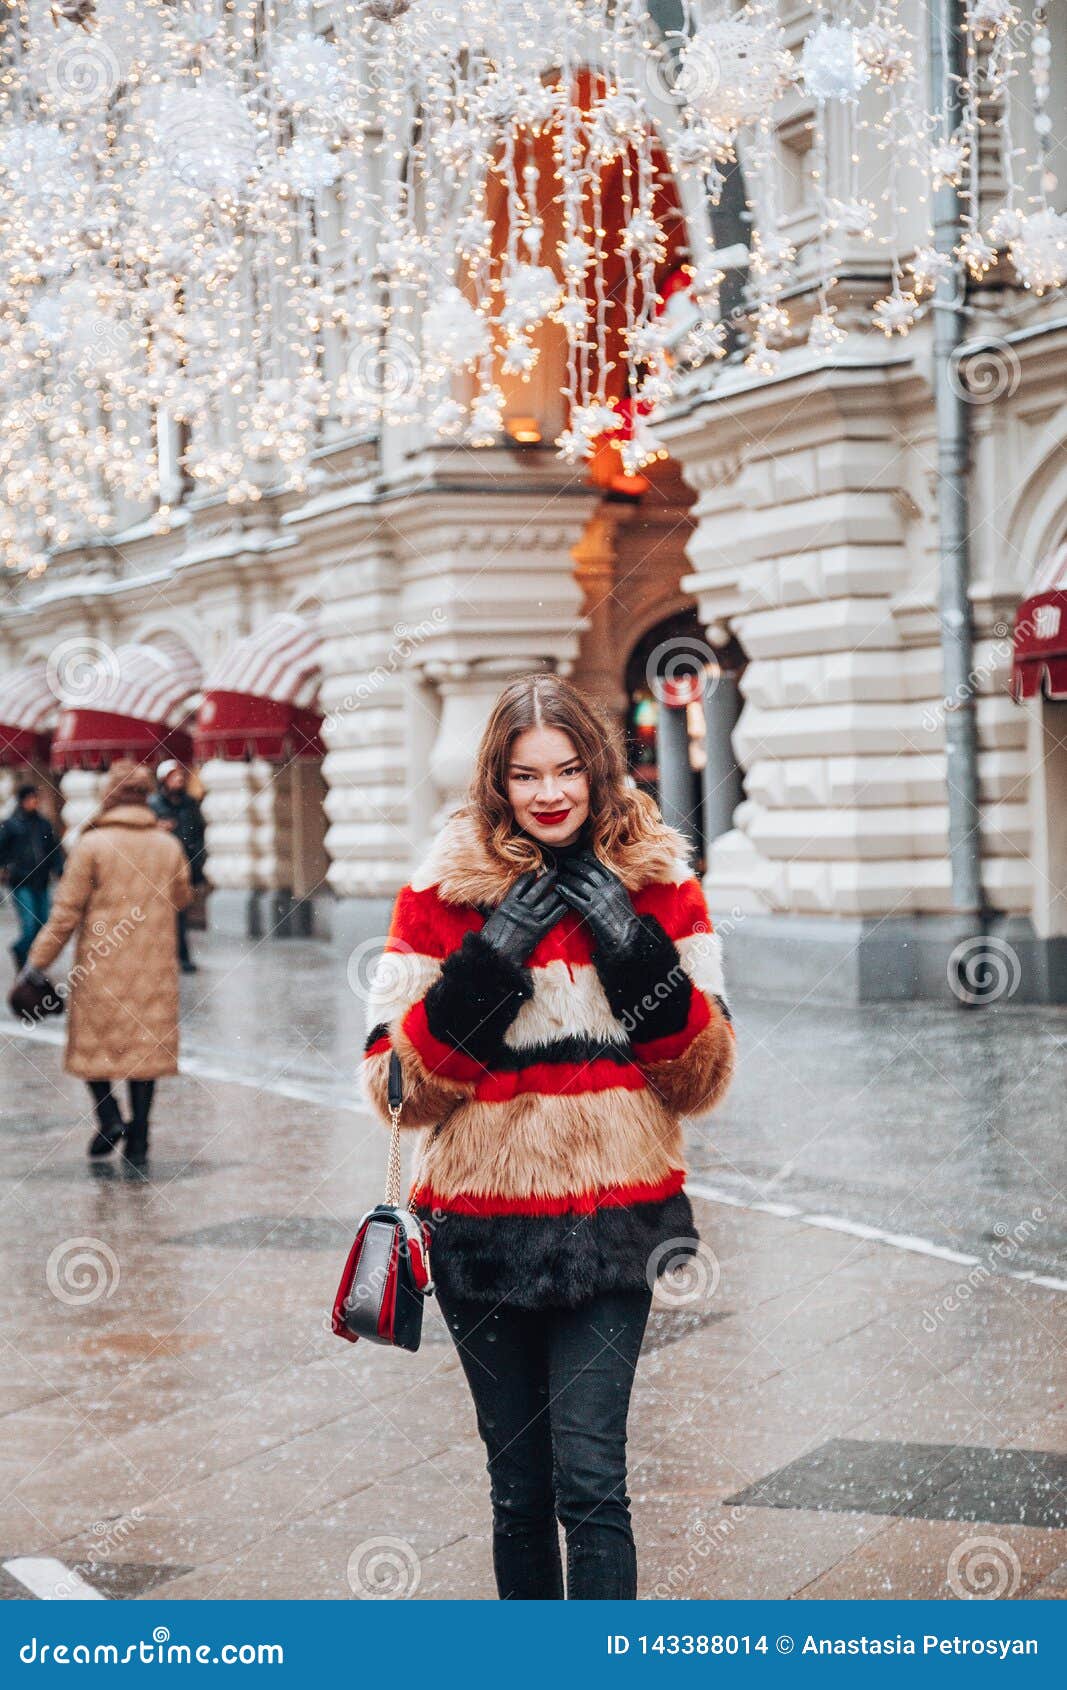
x: 240, y: 227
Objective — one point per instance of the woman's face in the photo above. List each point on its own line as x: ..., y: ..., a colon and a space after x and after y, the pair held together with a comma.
x: 548, y: 788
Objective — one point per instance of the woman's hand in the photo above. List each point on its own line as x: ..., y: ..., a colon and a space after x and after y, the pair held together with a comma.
x: 602, y: 900
x: 528, y: 911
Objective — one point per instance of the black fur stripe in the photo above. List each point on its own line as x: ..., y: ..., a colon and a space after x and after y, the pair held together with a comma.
x: 534, y: 1260
x: 576, y: 1048
x: 381, y: 1031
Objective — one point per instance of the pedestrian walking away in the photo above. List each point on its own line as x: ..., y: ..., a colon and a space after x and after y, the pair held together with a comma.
x: 553, y: 989
x: 122, y: 886
x: 180, y: 813
x: 30, y: 858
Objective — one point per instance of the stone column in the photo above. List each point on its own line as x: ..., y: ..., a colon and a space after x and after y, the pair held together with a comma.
x: 81, y: 795
x: 722, y: 777
x: 676, y: 784
x: 245, y: 853
x: 362, y: 697
x: 488, y: 592
x: 814, y: 546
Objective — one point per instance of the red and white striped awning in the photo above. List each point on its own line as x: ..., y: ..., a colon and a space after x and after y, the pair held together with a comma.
x: 259, y: 700
x: 1039, y: 659
x: 129, y: 702
x: 28, y: 707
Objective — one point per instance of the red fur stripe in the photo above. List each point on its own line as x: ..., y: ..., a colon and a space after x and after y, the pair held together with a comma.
x: 438, y: 1058
x: 676, y: 1044
x: 552, y: 1079
x: 423, y: 922
x: 680, y: 910
x: 378, y: 1048
x: 580, y: 1203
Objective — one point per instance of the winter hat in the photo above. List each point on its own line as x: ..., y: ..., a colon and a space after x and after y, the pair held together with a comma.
x: 128, y: 783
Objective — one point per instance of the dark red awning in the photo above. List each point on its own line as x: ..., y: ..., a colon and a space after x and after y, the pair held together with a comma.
x: 1039, y: 649
x: 22, y: 745
x: 237, y: 726
x: 93, y: 739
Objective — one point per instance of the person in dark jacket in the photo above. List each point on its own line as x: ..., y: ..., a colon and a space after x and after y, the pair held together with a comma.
x: 180, y: 813
x: 31, y: 857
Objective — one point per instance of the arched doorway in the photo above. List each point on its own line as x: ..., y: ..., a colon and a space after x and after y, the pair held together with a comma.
x: 683, y: 701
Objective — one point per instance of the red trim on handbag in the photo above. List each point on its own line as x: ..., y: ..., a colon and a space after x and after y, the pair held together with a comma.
x: 338, y: 1319
x: 580, y: 1203
x: 673, y: 1045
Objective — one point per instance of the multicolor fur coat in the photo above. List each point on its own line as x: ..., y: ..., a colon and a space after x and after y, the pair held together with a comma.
x: 557, y: 1168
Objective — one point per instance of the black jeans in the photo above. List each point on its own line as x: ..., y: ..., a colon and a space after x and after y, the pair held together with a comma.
x: 551, y: 1391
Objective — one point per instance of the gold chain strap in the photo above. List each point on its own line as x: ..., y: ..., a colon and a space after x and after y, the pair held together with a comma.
x: 392, y: 1177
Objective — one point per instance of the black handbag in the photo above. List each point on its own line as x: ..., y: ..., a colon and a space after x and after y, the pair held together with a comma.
x: 387, y: 1275
x: 34, y: 999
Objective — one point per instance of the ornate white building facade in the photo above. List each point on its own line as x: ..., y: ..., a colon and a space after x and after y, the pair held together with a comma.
x: 794, y: 526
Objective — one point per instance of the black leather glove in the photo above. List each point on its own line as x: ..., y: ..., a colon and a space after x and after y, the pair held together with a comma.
x: 31, y: 977
x: 528, y: 911
x: 602, y: 900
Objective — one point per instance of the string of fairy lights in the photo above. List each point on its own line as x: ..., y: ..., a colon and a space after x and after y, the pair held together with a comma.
x: 231, y: 230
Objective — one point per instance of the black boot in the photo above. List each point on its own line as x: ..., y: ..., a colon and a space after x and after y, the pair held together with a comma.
x: 111, y: 1126
x: 136, y: 1152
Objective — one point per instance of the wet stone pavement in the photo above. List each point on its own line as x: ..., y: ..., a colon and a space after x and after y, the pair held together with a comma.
x: 862, y: 1392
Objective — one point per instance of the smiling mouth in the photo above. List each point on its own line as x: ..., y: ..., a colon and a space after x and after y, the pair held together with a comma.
x: 550, y: 815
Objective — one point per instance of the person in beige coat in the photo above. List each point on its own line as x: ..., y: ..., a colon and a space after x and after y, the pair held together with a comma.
x: 124, y: 881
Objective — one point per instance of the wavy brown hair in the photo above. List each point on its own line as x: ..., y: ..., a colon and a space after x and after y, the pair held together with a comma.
x: 625, y: 825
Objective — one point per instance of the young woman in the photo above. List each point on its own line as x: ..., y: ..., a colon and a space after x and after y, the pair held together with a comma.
x: 553, y: 988
x: 123, y: 883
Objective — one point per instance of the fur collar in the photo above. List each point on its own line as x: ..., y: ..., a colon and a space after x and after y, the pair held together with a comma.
x: 123, y: 815
x: 464, y: 870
